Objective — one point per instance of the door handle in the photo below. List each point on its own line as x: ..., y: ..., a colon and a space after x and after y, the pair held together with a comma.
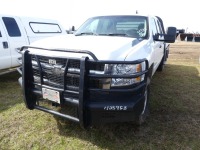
x: 5, y: 45
x: 160, y: 46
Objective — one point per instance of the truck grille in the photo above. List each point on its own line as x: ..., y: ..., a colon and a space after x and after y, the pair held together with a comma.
x: 64, y: 74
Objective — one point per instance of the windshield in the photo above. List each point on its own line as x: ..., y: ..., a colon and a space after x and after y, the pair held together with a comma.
x: 128, y: 26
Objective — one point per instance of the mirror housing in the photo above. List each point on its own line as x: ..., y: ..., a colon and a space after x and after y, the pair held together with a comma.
x: 169, y: 37
x: 71, y: 30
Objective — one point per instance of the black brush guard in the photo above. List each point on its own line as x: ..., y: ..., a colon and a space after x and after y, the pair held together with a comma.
x: 93, y: 103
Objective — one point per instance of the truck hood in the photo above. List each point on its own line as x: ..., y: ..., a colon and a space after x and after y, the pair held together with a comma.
x: 103, y: 47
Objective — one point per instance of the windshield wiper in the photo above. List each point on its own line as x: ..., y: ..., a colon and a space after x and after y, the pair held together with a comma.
x: 115, y: 34
x: 85, y: 33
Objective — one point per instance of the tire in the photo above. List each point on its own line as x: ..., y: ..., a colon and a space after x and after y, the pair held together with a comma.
x: 162, y: 64
x: 141, y: 119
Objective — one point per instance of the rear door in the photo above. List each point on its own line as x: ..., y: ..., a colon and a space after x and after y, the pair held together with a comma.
x: 5, y: 54
x: 16, y: 35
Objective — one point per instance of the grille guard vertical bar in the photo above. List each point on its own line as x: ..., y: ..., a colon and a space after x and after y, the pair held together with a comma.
x: 65, y: 74
x: 40, y: 69
x: 27, y: 80
x: 82, y: 84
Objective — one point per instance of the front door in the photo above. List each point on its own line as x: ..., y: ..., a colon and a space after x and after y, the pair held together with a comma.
x: 5, y: 53
x: 16, y: 35
x: 158, y: 45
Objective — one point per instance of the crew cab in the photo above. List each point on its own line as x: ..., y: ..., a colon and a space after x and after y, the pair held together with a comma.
x: 103, y: 71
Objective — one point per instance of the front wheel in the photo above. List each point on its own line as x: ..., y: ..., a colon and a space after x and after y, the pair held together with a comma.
x: 162, y: 64
x: 140, y: 119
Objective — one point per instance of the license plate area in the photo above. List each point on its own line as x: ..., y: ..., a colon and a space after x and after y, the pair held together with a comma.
x: 51, y: 95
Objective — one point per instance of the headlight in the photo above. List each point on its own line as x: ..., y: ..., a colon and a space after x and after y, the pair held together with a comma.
x: 125, y: 69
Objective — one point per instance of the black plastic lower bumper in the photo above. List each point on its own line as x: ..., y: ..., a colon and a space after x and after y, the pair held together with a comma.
x: 99, y: 112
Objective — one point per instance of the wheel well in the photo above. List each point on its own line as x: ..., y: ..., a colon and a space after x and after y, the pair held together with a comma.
x: 150, y: 71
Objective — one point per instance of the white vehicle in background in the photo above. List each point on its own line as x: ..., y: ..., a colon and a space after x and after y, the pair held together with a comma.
x: 16, y: 32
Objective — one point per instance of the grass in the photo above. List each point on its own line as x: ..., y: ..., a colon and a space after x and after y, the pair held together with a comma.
x: 174, y: 122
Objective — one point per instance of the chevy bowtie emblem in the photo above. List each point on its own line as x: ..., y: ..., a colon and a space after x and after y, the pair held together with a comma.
x: 52, y: 61
x: 57, y: 70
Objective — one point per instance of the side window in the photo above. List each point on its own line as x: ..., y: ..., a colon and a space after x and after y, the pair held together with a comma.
x: 154, y: 27
x: 160, y: 28
x: 0, y: 34
x: 11, y: 26
x: 157, y: 26
x: 41, y: 27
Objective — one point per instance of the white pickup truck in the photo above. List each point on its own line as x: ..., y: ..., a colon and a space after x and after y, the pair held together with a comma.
x: 16, y: 31
x: 102, y: 71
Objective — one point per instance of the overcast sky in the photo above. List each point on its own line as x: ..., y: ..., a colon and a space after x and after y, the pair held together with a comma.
x: 182, y: 14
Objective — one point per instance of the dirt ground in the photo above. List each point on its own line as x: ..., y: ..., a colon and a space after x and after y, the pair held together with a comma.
x: 184, y: 50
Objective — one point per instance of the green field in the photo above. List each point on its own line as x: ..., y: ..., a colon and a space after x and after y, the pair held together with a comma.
x: 174, y: 121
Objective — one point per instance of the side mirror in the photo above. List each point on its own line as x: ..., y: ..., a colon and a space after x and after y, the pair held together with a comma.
x: 170, y: 37
x: 156, y: 37
x: 71, y: 30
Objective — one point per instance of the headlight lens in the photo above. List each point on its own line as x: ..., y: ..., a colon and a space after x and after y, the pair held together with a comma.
x: 125, y: 69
